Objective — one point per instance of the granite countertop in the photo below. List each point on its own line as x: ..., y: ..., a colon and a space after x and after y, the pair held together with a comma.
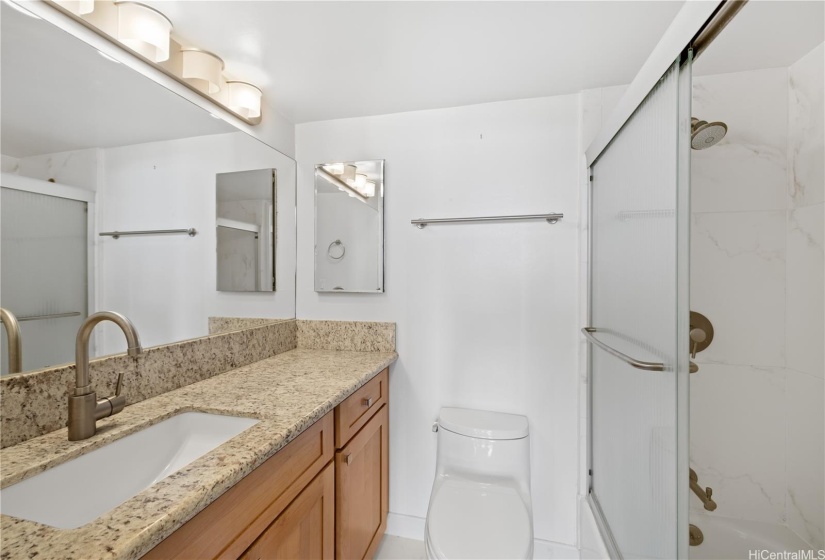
x: 287, y: 392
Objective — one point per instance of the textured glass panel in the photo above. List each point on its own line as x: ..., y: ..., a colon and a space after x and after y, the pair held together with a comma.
x: 634, y: 307
x: 43, y: 271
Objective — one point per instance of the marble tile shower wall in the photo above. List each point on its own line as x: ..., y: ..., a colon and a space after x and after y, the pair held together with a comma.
x: 757, y: 273
x: 805, y: 300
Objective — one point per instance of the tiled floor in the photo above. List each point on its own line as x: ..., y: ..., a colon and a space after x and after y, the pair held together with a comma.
x: 399, y: 548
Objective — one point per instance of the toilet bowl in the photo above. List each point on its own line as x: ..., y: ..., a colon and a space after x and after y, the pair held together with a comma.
x: 480, y: 504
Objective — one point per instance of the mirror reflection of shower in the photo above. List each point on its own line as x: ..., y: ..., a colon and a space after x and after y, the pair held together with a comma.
x: 704, y: 134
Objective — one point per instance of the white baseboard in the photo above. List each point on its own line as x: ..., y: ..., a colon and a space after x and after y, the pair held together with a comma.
x: 407, y: 526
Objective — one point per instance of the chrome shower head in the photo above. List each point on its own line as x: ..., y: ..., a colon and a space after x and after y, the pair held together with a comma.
x: 704, y: 134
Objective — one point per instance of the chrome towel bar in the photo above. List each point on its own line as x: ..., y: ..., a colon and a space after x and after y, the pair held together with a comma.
x: 638, y: 364
x: 115, y: 234
x: 551, y: 218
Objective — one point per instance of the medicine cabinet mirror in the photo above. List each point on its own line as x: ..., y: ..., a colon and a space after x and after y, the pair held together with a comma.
x: 245, y: 229
x: 349, y: 227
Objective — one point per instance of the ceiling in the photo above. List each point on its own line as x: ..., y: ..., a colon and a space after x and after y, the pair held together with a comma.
x: 765, y: 34
x: 59, y: 94
x: 328, y: 60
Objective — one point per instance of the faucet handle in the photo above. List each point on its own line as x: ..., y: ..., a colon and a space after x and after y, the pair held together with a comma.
x: 119, y: 387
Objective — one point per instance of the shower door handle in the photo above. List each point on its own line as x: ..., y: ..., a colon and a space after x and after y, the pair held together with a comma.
x: 638, y: 364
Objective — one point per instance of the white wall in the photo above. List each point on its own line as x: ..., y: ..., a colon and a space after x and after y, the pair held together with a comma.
x: 167, y: 283
x: 486, y: 313
x: 77, y: 168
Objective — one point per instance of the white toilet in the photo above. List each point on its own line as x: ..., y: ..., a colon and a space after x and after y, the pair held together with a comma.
x: 480, y: 504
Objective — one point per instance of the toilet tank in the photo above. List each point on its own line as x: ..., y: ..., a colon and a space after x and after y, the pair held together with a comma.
x: 484, y: 445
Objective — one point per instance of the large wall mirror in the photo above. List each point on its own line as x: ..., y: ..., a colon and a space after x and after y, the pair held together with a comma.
x: 89, y: 148
x: 349, y: 227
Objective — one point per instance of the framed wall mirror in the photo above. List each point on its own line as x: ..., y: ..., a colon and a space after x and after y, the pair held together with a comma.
x: 246, y: 225
x: 349, y: 227
x: 91, y: 147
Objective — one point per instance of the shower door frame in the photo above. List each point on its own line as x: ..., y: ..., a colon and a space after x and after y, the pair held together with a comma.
x: 696, y: 22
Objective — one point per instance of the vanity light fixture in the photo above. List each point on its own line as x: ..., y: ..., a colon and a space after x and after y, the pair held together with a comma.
x: 360, y: 181
x: 144, y: 30
x: 202, y: 69
x: 78, y: 7
x: 369, y: 189
x: 244, y: 99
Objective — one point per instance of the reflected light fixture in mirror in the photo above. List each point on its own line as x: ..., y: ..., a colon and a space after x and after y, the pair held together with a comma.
x: 322, y: 170
x: 244, y: 99
x: 144, y: 30
x: 202, y: 69
x: 78, y: 7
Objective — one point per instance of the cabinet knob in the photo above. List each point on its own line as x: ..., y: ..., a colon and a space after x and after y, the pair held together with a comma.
x: 349, y: 459
x: 367, y: 402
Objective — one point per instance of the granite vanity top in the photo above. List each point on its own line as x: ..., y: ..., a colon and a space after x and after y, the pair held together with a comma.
x: 287, y: 392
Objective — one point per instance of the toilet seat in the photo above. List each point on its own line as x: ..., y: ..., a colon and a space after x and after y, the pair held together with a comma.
x: 471, y: 519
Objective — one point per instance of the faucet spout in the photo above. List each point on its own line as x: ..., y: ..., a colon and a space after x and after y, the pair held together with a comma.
x: 85, y: 409
x: 83, y: 384
x: 15, y: 344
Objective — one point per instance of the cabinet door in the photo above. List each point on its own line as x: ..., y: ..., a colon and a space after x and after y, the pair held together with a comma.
x: 362, y: 490
x: 305, y: 529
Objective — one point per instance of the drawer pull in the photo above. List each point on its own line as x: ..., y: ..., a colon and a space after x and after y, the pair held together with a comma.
x: 349, y: 459
x: 367, y: 402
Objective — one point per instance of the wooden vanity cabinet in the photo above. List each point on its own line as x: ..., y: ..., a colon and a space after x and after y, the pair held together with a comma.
x: 305, y: 529
x: 323, y: 495
x: 270, y: 496
x: 362, y: 489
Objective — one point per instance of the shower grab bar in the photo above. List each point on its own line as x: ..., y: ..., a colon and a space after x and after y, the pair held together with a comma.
x: 551, y: 218
x: 638, y: 364
x: 52, y: 316
x: 115, y: 234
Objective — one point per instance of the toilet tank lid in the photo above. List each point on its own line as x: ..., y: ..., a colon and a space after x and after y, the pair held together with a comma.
x: 483, y: 424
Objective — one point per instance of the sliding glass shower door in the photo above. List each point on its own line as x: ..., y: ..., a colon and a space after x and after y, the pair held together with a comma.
x: 638, y: 326
x: 43, y: 273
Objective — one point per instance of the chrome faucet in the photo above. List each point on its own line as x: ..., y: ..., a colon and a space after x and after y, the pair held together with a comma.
x: 703, y: 494
x: 85, y: 409
x: 13, y: 337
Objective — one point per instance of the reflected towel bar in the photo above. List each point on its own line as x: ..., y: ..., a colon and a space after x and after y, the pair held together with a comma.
x: 638, y: 364
x: 115, y: 234
x: 52, y: 316
x: 551, y: 218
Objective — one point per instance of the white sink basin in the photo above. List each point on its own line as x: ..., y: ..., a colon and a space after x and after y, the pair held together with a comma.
x: 81, y: 490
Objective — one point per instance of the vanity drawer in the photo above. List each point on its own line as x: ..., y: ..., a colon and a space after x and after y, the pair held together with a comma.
x: 230, y: 524
x: 352, y: 414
